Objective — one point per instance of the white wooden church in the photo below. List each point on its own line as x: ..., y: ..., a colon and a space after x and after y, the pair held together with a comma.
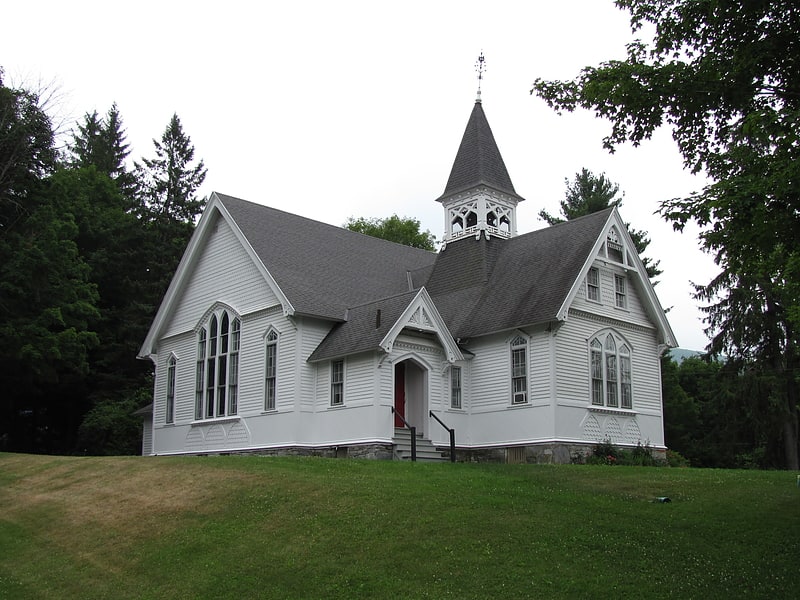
x: 284, y: 335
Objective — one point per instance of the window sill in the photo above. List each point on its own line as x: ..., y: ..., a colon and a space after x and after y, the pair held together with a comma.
x: 336, y: 406
x: 216, y: 420
x: 520, y: 405
x: 610, y: 410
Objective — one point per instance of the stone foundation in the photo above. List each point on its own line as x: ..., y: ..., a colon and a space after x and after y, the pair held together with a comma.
x: 367, y: 451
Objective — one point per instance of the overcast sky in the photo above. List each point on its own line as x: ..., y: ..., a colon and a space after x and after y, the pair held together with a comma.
x: 338, y: 109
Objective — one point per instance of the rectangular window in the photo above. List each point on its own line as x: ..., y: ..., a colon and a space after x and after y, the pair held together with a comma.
x: 620, y: 291
x: 593, y: 285
x: 519, y: 375
x: 271, y: 372
x: 233, y: 384
x: 171, y: 390
x: 337, y: 382
x: 455, y: 387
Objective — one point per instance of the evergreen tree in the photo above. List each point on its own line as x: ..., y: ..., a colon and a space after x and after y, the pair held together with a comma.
x: 588, y: 193
x: 169, y: 182
x: 102, y: 143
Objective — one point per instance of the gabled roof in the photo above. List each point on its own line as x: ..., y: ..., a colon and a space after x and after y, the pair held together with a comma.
x: 323, y: 269
x: 482, y: 286
x: 377, y: 324
x: 478, y: 161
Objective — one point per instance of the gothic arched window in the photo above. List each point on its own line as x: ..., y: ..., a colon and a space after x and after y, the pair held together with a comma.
x: 217, y: 381
x: 610, y: 372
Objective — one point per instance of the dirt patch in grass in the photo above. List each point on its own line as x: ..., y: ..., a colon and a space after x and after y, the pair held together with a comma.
x: 129, y: 498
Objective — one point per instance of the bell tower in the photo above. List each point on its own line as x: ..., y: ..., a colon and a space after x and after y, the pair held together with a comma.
x: 479, y: 197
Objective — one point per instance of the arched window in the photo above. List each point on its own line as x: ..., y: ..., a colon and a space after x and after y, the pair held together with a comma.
x: 472, y: 219
x: 271, y: 370
x: 610, y: 372
x: 172, y: 365
x: 217, y: 379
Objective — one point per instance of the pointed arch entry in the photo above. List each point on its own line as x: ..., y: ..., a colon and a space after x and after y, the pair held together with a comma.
x: 411, y: 393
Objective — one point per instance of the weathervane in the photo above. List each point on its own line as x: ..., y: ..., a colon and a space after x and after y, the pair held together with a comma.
x: 480, y: 68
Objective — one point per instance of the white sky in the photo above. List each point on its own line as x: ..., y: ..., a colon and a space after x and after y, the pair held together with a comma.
x: 356, y: 108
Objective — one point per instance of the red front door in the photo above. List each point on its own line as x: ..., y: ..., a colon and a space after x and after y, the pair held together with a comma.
x: 399, y: 394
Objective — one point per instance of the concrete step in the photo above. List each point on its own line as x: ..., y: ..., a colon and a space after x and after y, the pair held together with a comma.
x: 426, y: 452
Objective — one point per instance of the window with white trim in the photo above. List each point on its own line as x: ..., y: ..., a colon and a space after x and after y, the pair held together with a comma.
x: 271, y: 370
x: 593, y: 284
x: 455, y: 387
x: 620, y: 291
x: 610, y: 372
x: 172, y: 365
x: 337, y: 382
x: 519, y: 370
x: 217, y: 377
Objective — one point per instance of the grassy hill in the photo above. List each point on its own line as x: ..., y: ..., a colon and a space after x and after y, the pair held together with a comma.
x: 251, y: 527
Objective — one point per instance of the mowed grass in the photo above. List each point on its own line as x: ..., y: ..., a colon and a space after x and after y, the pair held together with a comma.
x: 254, y: 527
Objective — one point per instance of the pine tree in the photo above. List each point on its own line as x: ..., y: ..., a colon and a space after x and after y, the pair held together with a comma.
x: 169, y: 182
x: 588, y: 193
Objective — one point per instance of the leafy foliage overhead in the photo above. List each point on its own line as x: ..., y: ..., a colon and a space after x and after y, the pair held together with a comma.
x: 395, y: 229
x: 725, y: 76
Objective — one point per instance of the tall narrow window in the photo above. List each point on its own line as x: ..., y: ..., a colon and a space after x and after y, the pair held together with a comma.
x: 620, y: 291
x: 200, y: 380
x: 519, y: 370
x: 217, y: 379
x: 625, y: 377
x: 271, y: 371
x: 593, y: 285
x: 597, y: 372
x: 337, y: 382
x: 455, y: 387
x: 233, y: 369
x: 211, y: 364
x: 610, y: 372
x: 222, y: 366
x: 171, y: 368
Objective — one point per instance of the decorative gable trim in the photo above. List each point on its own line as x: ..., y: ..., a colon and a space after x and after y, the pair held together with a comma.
x: 615, y: 234
x: 422, y: 315
x: 214, y: 210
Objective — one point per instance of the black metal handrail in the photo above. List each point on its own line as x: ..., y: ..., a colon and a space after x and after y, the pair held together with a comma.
x: 452, y: 433
x: 413, y: 434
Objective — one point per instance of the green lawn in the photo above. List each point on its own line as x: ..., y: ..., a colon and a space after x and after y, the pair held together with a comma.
x: 252, y: 527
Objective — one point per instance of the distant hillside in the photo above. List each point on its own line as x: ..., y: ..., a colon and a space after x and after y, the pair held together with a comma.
x: 680, y: 354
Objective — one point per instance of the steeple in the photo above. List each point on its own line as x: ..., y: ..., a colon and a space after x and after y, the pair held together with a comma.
x: 479, y: 195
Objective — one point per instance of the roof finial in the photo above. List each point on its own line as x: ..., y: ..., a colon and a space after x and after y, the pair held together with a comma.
x: 480, y: 67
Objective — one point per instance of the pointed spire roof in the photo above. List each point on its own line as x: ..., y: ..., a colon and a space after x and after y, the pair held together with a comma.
x: 478, y: 161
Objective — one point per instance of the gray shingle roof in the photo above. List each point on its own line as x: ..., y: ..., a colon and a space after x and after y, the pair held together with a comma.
x: 478, y: 161
x: 323, y: 269
x: 362, y: 331
x: 482, y: 286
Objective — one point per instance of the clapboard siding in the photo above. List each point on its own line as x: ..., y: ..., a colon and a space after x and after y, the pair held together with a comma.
x: 311, y: 333
x: 633, y: 313
x: 491, y: 374
x: 573, y: 360
x: 540, y: 364
x: 223, y: 273
x: 359, y: 383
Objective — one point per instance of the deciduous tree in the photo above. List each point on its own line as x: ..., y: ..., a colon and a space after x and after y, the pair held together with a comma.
x: 404, y: 231
x: 725, y: 76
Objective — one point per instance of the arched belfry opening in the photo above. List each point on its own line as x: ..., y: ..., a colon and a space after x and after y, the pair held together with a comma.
x: 479, y: 198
